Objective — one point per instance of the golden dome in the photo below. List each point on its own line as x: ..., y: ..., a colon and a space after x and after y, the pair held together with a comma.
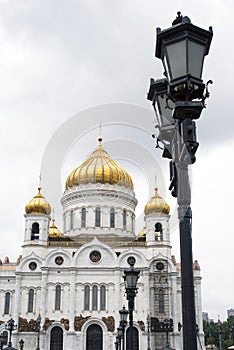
x: 157, y: 205
x: 38, y: 205
x: 54, y: 231
x: 142, y: 233
x: 99, y: 168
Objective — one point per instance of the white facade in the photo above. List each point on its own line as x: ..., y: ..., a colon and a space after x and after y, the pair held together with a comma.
x: 74, y: 280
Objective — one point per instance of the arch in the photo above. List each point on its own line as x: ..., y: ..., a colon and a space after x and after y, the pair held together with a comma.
x: 56, y: 338
x: 86, y: 297
x: 95, y: 298
x: 4, y: 337
x: 7, y: 303
x: 112, y: 218
x: 132, y: 339
x: 30, y: 300
x: 83, y: 217
x: 103, y: 298
x: 159, y: 230
x: 94, y: 337
x: 124, y: 219
x: 57, y: 297
x: 97, y: 217
x: 35, y: 231
x: 161, y: 308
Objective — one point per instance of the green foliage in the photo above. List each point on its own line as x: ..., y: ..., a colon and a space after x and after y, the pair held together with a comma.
x: 225, y: 330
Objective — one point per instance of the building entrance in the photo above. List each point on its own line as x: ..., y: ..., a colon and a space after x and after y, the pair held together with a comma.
x: 56, y: 339
x: 94, y: 339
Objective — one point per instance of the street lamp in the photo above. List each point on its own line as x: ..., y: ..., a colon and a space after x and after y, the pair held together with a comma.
x: 10, y: 326
x: 182, y: 49
x: 21, y: 344
x: 123, y: 321
x: 131, y: 276
x: 38, y: 331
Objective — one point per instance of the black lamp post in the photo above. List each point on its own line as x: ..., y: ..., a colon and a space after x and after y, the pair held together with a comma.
x: 182, y: 49
x: 123, y: 322
x: 232, y: 333
x: 131, y: 276
x: 10, y: 326
x: 38, y: 331
x: 21, y: 344
x: 219, y: 324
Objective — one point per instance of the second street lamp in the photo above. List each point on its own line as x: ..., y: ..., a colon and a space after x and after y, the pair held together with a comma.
x: 123, y: 322
x: 131, y: 276
x: 38, y: 331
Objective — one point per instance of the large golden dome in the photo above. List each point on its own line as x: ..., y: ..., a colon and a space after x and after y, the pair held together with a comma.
x: 38, y: 205
x: 99, y: 168
x: 157, y: 205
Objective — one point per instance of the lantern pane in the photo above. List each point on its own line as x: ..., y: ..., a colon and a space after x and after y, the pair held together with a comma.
x: 176, y: 59
x: 165, y: 111
x: 195, y: 59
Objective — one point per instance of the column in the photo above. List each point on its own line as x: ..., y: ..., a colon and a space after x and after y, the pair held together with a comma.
x: 17, y: 297
x: 43, y: 296
x: 72, y: 300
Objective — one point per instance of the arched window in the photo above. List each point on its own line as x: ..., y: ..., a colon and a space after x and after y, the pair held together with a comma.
x: 132, y: 339
x: 98, y: 217
x: 30, y: 300
x: 35, y: 231
x: 71, y: 220
x: 86, y: 297
x: 158, y: 231
x: 94, y: 298
x: 57, y: 297
x: 112, y: 217
x: 103, y: 298
x: 56, y: 339
x: 4, y: 337
x: 161, y: 300
x: 7, y: 303
x: 83, y: 217
x: 94, y: 339
x: 124, y: 219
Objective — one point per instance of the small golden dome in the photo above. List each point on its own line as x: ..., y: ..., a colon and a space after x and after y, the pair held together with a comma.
x: 54, y: 231
x: 38, y: 205
x: 157, y: 205
x: 142, y: 233
x: 99, y: 168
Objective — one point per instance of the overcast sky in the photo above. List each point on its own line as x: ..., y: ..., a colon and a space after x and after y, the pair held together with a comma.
x: 58, y: 58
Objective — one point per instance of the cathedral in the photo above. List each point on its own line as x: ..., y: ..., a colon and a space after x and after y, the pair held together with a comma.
x: 72, y: 277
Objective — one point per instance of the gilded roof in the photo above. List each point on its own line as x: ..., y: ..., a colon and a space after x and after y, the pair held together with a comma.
x: 38, y: 205
x: 54, y: 231
x: 99, y: 167
x: 157, y: 205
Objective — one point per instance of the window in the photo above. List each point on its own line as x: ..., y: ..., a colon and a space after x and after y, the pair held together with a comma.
x: 86, y: 297
x: 71, y: 220
x: 158, y: 231
x: 57, y: 297
x: 98, y: 217
x: 83, y: 217
x: 112, y: 217
x: 4, y: 336
x: 30, y: 300
x: 35, y: 231
x: 103, y: 298
x: 94, y: 297
x: 7, y: 303
x: 124, y: 219
x: 161, y: 300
